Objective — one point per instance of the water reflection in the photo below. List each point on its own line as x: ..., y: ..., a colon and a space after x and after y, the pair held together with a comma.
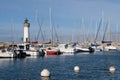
x: 5, y: 62
x: 45, y: 78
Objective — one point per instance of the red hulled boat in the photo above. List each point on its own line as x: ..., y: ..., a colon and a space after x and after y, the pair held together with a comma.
x: 51, y: 52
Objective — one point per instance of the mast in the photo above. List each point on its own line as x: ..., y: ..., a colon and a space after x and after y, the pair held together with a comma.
x: 98, y: 30
x: 56, y: 32
x: 83, y: 30
x: 12, y: 34
x: 107, y: 33
x: 117, y: 39
x: 51, y: 27
x: 109, y: 30
x: 40, y: 30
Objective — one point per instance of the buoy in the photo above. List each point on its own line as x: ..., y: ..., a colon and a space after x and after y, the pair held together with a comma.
x: 45, y: 73
x: 112, y: 69
x: 76, y: 69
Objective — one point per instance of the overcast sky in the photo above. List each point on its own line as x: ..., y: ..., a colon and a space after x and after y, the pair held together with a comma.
x: 68, y: 14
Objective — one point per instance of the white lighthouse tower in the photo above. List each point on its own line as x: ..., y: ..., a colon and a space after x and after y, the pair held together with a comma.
x: 26, y: 31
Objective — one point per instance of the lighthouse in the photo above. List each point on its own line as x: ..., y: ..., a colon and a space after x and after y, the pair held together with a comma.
x: 26, y: 31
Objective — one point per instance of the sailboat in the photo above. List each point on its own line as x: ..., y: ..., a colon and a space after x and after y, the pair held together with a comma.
x: 83, y: 47
x: 96, y: 46
x: 51, y: 50
x: 107, y: 44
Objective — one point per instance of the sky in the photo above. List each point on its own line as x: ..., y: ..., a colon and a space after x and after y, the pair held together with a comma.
x: 68, y: 18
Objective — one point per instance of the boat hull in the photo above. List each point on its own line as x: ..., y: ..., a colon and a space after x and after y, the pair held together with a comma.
x: 51, y: 52
x: 6, y: 54
x: 32, y: 53
x: 77, y: 50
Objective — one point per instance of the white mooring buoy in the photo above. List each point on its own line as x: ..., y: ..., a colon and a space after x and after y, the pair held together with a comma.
x: 112, y: 69
x: 76, y: 69
x: 45, y: 73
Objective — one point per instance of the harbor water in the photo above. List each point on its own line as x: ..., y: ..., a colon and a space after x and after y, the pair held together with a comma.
x: 92, y: 67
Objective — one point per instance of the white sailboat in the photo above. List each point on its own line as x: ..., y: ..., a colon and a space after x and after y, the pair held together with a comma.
x: 95, y: 45
x: 107, y: 45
